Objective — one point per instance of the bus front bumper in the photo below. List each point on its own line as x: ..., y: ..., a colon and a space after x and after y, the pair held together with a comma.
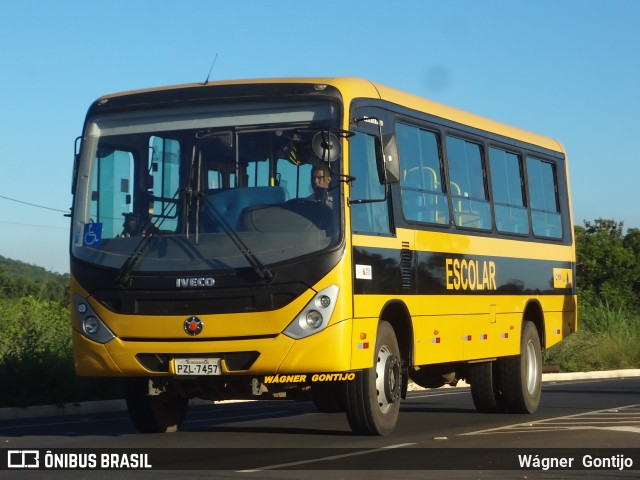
x: 326, y: 351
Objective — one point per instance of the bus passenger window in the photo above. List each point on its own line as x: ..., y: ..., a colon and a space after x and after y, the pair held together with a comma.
x: 470, y: 205
x: 506, y: 187
x: 258, y: 173
x: 545, y: 211
x: 423, y: 198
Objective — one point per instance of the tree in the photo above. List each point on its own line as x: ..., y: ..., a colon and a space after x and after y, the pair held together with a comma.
x: 607, y: 269
x: 632, y: 242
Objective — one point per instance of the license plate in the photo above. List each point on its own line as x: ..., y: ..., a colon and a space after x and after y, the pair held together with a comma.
x: 196, y: 366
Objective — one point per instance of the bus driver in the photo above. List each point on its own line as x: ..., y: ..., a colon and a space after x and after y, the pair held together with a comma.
x: 320, y: 180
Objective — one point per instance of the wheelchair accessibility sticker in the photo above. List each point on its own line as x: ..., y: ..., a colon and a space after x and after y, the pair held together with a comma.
x: 92, y: 235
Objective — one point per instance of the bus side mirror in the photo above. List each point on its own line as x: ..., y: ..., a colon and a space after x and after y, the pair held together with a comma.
x: 76, y: 161
x: 326, y: 146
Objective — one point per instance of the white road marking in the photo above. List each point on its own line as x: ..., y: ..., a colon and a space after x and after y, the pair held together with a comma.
x: 324, y: 459
x: 625, y: 418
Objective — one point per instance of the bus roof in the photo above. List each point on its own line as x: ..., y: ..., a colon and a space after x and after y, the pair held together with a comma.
x: 352, y: 88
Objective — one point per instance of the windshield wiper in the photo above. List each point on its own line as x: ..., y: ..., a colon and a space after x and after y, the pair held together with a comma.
x: 260, y: 268
x: 148, y: 232
x: 127, y: 267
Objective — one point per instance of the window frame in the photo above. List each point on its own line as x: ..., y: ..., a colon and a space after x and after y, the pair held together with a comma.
x: 481, y: 144
x: 442, y: 192
x: 556, y: 196
x: 524, y: 194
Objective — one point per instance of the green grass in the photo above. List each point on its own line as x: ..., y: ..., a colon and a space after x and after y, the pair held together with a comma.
x: 36, y: 359
x: 607, y: 339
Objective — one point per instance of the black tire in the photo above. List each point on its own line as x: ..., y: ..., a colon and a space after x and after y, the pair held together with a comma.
x: 372, y: 399
x: 520, y: 376
x: 153, y: 413
x: 485, y: 392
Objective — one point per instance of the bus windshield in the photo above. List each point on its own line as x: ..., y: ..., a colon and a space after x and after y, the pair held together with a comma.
x: 207, y: 188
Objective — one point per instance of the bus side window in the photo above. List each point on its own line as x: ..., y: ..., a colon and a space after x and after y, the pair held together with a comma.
x: 506, y: 187
x: 470, y: 202
x: 545, y: 210
x: 423, y: 198
x: 372, y: 218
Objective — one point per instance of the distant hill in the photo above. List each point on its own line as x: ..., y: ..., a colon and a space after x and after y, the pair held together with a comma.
x: 27, y: 271
x: 18, y: 279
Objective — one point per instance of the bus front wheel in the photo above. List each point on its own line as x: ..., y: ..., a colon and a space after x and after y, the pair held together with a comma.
x: 372, y: 398
x: 153, y: 413
x: 520, y: 376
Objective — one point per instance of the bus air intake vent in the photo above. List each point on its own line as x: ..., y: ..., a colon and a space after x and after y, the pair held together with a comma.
x: 406, y: 265
x: 235, y: 361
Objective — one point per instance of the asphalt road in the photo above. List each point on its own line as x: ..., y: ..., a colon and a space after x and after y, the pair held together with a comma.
x: 439, y: 435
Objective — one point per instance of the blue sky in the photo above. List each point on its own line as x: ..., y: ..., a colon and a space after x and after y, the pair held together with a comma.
x: 566, y: 69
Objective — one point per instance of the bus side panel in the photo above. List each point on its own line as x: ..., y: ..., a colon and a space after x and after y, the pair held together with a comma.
x: 91, y: 358
x: 327, y: 351
x: 466, y: 327
x: 497, y: 336
x: 560, y: 318
x: 437, y: 338
x: 363, y: 342
x: 450, y: 338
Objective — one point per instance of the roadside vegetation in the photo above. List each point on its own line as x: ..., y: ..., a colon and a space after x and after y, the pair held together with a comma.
x: 36, y: 361
x: 608, y: 279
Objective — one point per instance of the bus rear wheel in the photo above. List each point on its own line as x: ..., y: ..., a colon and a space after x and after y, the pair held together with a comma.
x: 154, y: 413
x: 520, y: 376
x: 485, y: 390
x: 372, y: 398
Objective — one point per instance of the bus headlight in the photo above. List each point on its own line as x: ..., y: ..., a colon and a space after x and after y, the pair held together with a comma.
x: 314, y: 319
x: 316, y: 314
x: 323, y: 301
x: 89, y: 324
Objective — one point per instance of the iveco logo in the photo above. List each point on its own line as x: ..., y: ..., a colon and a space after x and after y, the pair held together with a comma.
x: 193, y: 326
x: 194, y: 282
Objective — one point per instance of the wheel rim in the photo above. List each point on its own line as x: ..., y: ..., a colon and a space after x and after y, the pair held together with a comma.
x: 532, y: 368
x: 387, y: 378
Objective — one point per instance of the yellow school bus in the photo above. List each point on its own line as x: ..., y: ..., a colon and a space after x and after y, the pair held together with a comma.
x: 318, y: 239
